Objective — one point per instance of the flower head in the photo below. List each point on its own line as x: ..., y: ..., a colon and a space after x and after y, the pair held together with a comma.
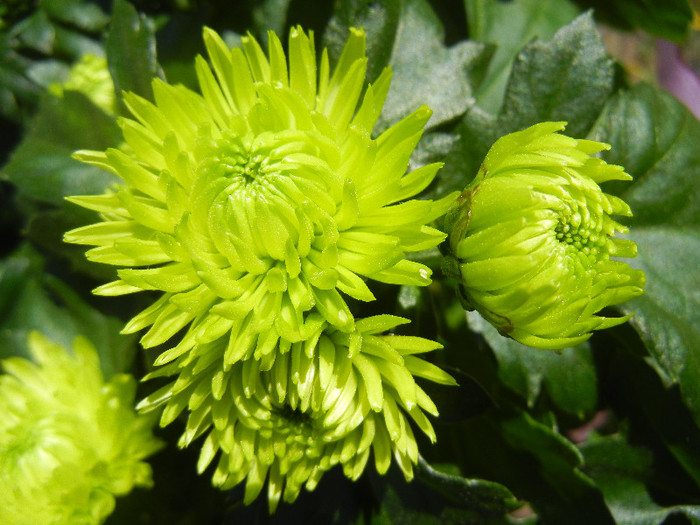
x: 258, y: 205
x: 326, y: 401
x: 533, y: 243
x: 69, y: 441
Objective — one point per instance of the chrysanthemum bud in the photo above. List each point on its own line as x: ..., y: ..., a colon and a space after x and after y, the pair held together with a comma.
x: 69, y: 441
x: 532, y: 240
x: 326, y: 401
x: 258, y: 205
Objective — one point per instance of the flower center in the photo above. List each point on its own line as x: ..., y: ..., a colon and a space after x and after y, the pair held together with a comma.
x: 298, y: 426
x: 578, y: 235
x: 240, y: 158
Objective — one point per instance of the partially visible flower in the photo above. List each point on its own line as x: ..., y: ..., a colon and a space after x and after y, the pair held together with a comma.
x: 327, y: 400
x: 532, y: 241
x: 256, y: 206
x: 69, y: 441
x: 91, y: 77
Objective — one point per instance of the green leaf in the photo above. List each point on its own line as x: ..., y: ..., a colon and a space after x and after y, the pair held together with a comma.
x: 86, y: 16
x: 656, y: 138
x: 41, y: 166
x: 17, y: 91
x: 568, y: 78
x: 408, y: 36
x: 668, y: 19
x: 435, y: 498
x: 536, y: 463
x: 42, y: 34
x: 53, y: 31
x: 567, y: 378
x: 32, y: 299
x: 131, y: 52
x: 623, y: 472
x: 425, y: 71
x: 271, y: 15
x: 654, y: 415
x: 511, y: 25
x: 37, y: 33
x: 379, y: 21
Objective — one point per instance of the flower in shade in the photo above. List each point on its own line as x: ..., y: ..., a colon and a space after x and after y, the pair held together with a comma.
x: 69, y: 440
x: 532, y: 240
x: 326, y: 401
x: 256, y: 206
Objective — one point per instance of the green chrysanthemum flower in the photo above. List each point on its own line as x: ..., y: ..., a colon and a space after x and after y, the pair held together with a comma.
x: 253, y: 205
x: 69, y: 441
x: 327, y: 400
x: 532, y: 240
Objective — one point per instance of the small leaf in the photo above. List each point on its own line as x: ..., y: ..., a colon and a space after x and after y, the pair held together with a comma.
x: 435, y: 498
x: 131, y: 51
x: 78, y: 13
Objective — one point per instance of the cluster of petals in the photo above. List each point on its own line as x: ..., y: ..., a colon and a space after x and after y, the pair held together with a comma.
x: 328, y: 400
x: 533, y: 242
x: 257, y: 205
x: 69, y: 440
x: 255, y: 209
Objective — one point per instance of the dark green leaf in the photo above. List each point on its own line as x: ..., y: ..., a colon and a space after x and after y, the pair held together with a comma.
x: 37, y: 33
x: 654, y: 415
x: 86, y: 16
x: 46, y: 228
x: 668, y: 19
x: 42, y: 167
x: 532, y: 460
x: 271, y: 15
x: 511, y: 25
x: 623, y: 472
x: 409, y: 37
x: 425, y: 71
x: 456, y: 403
x: 568, y: 78
x: 568, y: 377
x: 656, y: 139
x: 35, y: 300
x: 435, y: 498
x: 379, y: 21
x: 131, y: 51
x: 17, y: 91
